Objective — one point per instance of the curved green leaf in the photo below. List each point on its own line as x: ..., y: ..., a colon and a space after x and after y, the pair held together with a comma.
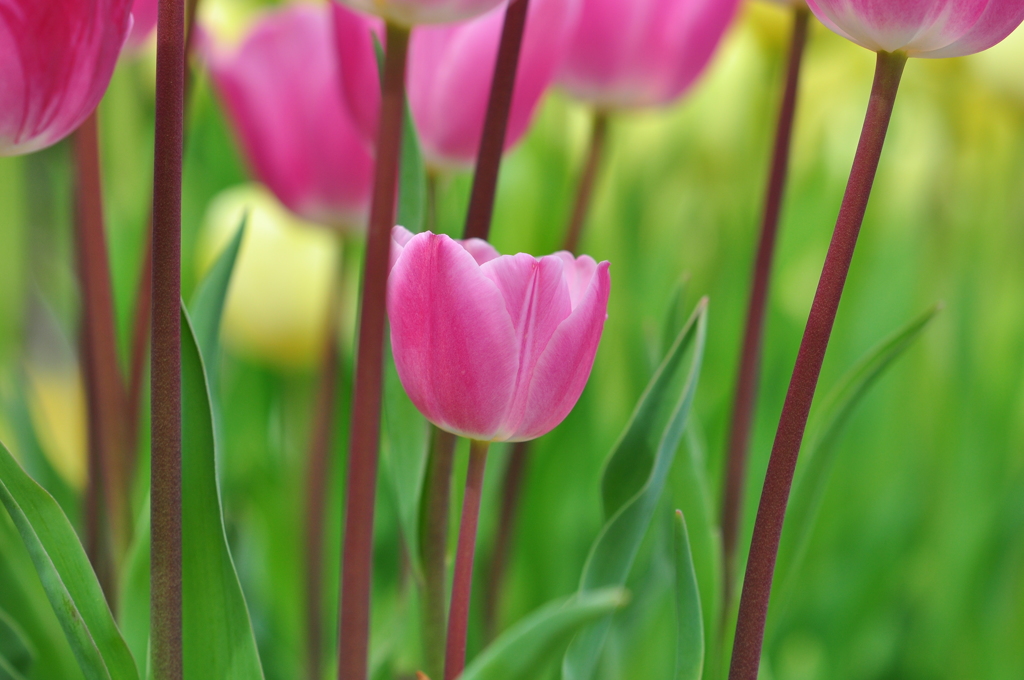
x: 8, y: 671
x: 637, y: 459
x: 520, y: 652
x: 689, y: 616
x: 133, y: 598
x: 15, y: 647
x: 218, y: 640
x: 66, y: 575
x: 819, y: 455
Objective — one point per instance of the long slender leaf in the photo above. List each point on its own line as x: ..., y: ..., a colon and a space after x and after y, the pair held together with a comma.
x: 133, y: 599
x: 15, y: 647
x: 66, y: 575
x: 217, y: 633
x: 689, y: 615
x: 8, y: 671
x: 207, y: 305
x: 819, y: 455
x: 519, y: 654
x: 637, y: 459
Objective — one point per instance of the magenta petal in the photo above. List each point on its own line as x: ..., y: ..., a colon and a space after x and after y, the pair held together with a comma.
x: 400, y: 237
x: 537, y: 299
x: 578, y: 273
x: 1000, y: 19
x: 562, y: 371
x: 482, y: 251
x: 360, y: 74
x: 454, y: 343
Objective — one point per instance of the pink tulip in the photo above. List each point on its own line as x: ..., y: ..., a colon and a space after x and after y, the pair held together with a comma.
x: 411, y: 13
x: 144, y: 13
x: 639, y: 53
x: 56, y: 59
x: 357, y: 58
x: 450, y: 73
x: 282, y: 92
x: 493, y: 347
x: 922, y: 28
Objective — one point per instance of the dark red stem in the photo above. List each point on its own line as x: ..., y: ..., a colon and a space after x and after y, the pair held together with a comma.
x: 750, y: 356
x: 437, y: 487
x: 357, y: 559
x: 492, y: 144
x: 511, y: 498
x: 103, y: 376
x: 585, y: 191
x: 462, y: 583
x: 165, y: 559
x: 771, y: 513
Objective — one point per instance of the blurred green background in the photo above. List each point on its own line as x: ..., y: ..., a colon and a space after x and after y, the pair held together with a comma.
x: 916, y: 567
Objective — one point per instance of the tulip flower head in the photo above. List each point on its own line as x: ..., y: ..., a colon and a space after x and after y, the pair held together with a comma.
x: 922, y: 28
x: 451, y: 69
x: 56, y: 60
x: 144, y: 15
x: 281, y: 91
x: 493, y: 347
x: 638, y: 53
x: 411, y: 13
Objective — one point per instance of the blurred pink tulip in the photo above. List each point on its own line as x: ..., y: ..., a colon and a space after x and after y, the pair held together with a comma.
x: 638, y: 53
x: 495, y: 348
x: 922, y: 28
x: 411, y: 13
x: 56, y: 59
x: 144, y: 13
x: 357, y: 59
x: 450, y: 73
x: 282, y: 93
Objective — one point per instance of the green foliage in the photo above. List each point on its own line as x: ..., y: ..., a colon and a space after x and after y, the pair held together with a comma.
x: 634, y: 478
x: 218, y: 639
x: 66, y: 574
x: 690, y: 618
x: 522, y: 651
x: 16, y: 651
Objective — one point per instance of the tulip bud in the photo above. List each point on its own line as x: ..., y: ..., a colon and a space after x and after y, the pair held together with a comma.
x: 281, y: 90
x: 56, y: 60
x: 491, y: 347
x: 451, y: 69
x: 922, y: 28
x: 411, y: 13
x: 277, y: 308
x: 638, y: 53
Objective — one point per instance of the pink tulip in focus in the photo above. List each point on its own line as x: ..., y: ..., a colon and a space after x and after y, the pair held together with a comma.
x: 411, y: 13
x: 493, y: 347
x: 922, y: 28
x: 282, y: 93
x: 56, y: 59
x: 450, y: 73
x: 144, y: 14
x: 639, y: 53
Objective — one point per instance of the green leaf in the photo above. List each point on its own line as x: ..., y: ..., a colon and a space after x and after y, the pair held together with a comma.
x: 405, y: 454
x: 133, y: 598
x: 633, y: 481
x: 519, y: 654
x: 412, y: 178
x: 207, y: 305
x: 15, y: 648
x: 8, y: 671
x: 689, y: 616
x: 819, y: 454
x: 66, y: 575
x: 217, y: 633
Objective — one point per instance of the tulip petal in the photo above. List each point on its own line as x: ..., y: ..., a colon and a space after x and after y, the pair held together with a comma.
x: 482, y: 251
x: 563, y: 369
x: 454, y: 343
x: 360, y: 74
x: 537, y: 299
x: 578, y: 273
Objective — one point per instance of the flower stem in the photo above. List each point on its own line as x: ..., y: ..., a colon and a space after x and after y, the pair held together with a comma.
x: 585, y: 191
x: 771, y: 513
x: 357, y: 559
x: 462, y: 583
x: 319, y: 472
x: 434, y: 547
x: 511, y: 497
x: 492, y: 144
x: 103, y: 375
x: 750, y: 357
x: 165, y: 559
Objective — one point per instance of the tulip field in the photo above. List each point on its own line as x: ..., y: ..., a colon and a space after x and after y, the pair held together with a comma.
x: 511, y: 339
